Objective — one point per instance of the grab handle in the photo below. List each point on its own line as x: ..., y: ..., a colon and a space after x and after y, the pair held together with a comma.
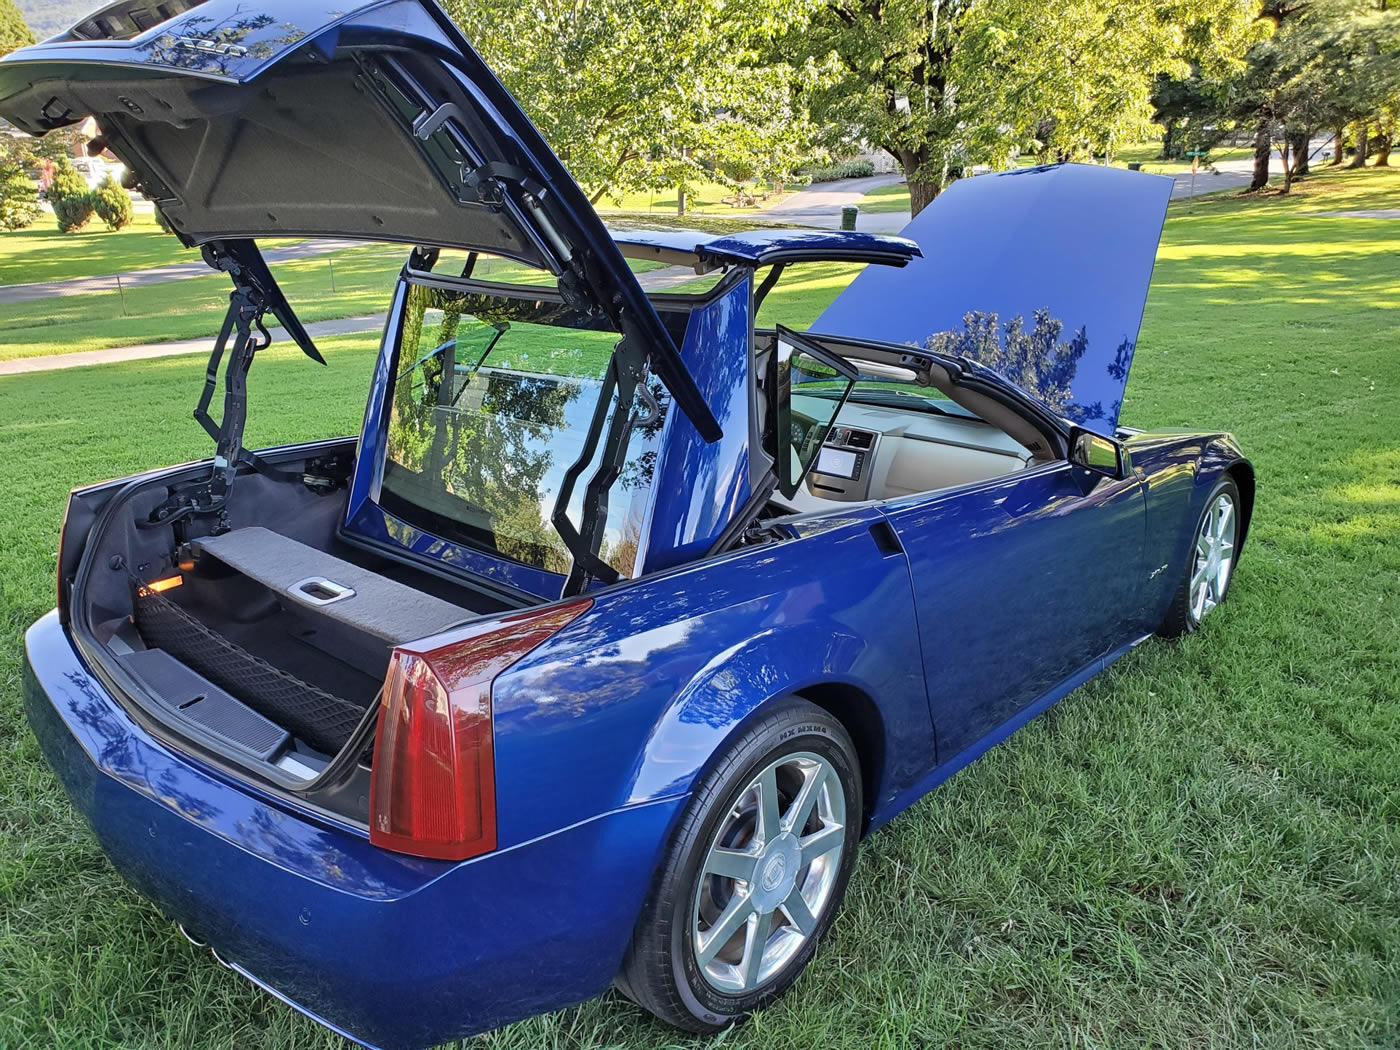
x: 320, y: 591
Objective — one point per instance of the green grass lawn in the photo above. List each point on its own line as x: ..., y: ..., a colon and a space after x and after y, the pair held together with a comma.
x: 41, y: 253
x: 891, y: 198
x: 350, y: 282
x: 1199, y: 849
x: 1146, y: 154
x: 707, y: 198
x: 895, y: 198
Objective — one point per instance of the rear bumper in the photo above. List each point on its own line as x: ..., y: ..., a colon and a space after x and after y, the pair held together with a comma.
x: 388, y: 949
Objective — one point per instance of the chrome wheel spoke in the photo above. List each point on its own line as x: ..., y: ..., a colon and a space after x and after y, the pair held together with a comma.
x: 764, y: 886
x: 1223, y: 512
x: 1200, y: 577
x: 795, y: 908
x: 795, y: 819
x: 1215, y: 547
x: 769, y: 824
x: 735, y: 914
x: 822, y: 842
x: 730, y: 864
x: 760, y: 925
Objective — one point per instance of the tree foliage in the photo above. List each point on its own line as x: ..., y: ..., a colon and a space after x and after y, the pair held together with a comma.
x: 69, y: 196
x: 19, y: 201
x: 1318, y: 64
x: 112, y: 204
x: 641, y: 95
x: 948, y: 84
x: 14, y: 31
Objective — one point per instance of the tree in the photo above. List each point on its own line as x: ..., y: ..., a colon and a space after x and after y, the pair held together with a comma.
x: 1327, y: 63
x: 19, y: 202
x: 640, y: 95
x: 14, y: 31
x: 70, y: 197
x: 112, y: 204
x: 946, y: 84
x: 1387, y: 126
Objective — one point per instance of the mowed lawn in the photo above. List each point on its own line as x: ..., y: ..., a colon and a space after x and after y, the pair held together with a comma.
x: 354, y: 281
x: 1201, y: 848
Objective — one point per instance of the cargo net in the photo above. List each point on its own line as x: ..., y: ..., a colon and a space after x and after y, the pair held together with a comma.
x: 323, y: 720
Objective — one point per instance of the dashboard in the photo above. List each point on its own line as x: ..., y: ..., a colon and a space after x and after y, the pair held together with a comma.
x: 874, y: 452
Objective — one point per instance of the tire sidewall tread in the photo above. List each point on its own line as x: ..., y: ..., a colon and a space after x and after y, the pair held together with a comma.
x: 659, y: 970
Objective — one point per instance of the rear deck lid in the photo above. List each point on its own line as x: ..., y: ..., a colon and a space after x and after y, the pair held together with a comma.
x: 301, y: 118
x: 1040, y: 274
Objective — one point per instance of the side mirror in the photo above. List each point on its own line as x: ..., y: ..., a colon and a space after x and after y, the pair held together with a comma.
x: 1096, y: 453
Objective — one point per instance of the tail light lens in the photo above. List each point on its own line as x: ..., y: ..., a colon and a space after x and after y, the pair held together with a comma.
x: 433, y: 780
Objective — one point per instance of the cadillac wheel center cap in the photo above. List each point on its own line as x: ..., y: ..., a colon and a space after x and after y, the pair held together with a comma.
x: 776, y: 872
x: 773, y: 871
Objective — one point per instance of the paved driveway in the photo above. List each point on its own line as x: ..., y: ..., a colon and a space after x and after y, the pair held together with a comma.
x: 196, y: 267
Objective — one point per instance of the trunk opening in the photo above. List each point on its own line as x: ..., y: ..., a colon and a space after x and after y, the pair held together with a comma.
x: 259, y: 632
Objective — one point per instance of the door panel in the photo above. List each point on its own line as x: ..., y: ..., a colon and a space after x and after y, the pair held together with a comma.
x: 1019, y: 582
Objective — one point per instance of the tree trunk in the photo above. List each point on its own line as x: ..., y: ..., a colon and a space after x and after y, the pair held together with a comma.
x: 1382, y: 144
x: 922, y: 190
x: 1339, y: 138
x: 1287, y: 160
x: 1170, y: 146
x: 1299, y: 142
x: 921, y: 195
x: 1262, y: 149
x: 1362, y: 135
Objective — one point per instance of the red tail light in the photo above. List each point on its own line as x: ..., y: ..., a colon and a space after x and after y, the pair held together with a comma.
x: 433, y: 781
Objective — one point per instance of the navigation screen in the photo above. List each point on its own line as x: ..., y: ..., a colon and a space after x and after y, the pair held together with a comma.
x: 837, y: 463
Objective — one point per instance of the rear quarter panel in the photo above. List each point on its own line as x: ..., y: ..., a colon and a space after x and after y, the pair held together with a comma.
x: 630, y: 702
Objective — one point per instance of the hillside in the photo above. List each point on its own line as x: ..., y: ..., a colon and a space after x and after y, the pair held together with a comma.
x: 47, y: 17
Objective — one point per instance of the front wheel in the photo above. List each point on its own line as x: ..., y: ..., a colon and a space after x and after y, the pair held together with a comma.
x: 1211, y: 565
x: 754, y: 874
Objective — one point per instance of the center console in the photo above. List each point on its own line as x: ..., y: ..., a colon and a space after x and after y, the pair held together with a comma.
x: 844, y: 465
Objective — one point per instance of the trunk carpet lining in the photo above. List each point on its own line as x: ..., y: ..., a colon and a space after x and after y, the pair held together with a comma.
x: 322, y: 719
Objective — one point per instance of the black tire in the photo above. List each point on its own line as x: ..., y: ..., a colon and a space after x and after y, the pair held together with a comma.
x: 660, y: 971
x: 1181, y: 615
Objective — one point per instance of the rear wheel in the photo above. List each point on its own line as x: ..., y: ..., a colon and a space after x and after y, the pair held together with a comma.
x: 754, y: 875
x: 1211, y: 564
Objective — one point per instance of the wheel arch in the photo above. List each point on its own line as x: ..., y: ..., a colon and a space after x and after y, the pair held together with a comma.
x: 860, y: 716
x: 893, y: 736
x: 1242, y: 473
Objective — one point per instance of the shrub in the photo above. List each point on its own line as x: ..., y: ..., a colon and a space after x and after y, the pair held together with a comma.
x: 19, y: 202
x: 847, y: 169
x: 70, y: 197
x: 112, y: 204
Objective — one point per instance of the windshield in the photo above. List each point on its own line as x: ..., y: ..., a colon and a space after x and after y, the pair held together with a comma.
x: 491, y: 404
x: 889, y: 391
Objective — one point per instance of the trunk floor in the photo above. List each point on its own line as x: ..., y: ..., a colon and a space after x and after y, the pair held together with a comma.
x: 285, y: 643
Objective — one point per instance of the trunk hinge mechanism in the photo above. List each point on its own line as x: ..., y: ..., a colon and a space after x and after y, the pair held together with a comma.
x: 244, y: 324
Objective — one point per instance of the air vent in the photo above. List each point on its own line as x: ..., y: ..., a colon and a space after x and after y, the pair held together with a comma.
x: 860, y: 439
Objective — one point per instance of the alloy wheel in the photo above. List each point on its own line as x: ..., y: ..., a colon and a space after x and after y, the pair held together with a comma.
x: 769, y: 873
x: 1214, y: 556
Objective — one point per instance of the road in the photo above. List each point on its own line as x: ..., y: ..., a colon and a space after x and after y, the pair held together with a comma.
x: 28, y: 293
x: 653, y: 280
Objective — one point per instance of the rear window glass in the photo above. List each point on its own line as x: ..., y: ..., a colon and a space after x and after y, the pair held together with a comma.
x: 490, y: 406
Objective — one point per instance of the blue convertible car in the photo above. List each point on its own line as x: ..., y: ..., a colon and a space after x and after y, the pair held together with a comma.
x: 628, y: 613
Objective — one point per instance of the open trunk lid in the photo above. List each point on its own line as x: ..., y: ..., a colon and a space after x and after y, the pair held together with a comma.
x: 1068, y: 249
x: 378, y: 123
